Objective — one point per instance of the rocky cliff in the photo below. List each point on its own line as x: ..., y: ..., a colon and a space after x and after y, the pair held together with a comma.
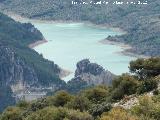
x: 93, y: 73
x: 23, y: 72
x: 14, y: 70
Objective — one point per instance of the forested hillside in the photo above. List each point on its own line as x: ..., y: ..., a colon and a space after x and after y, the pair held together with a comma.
x: 130, y: 97
x: 21, y: 68
x: 18, y: 36
x: 141, y: 22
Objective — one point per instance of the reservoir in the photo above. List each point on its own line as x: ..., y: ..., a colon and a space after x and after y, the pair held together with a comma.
x: 69, y: 43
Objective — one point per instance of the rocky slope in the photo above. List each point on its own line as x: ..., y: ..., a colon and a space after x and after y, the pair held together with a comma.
x: 23, y: 72
x: 89, y: 74
x: 93, y: 73
x: 14, y: 70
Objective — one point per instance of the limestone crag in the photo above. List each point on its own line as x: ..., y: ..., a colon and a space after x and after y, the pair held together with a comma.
x: 23, y: 72
x: 20, y: 77
x: 93, y: 73
x: 14, y: 70
x: 127, y: 102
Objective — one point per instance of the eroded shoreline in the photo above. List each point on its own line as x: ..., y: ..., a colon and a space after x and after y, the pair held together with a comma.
x: 63, y: 73
x: 24, y: 19
x: 37, y: 43
x: 124, y: 47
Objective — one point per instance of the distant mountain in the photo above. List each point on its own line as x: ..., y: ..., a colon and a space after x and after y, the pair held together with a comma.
x: 141, y: 22
x: 21, y: 68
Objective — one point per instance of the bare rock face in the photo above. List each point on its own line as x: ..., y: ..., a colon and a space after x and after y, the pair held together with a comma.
x: 127, y: 102
x: 15, y: 76
x: 19, y: 77
x: 85, y: 66
x: 14, y: 70
x: 93, y: 73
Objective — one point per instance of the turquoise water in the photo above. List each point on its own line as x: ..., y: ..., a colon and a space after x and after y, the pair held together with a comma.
x: 72, y: 42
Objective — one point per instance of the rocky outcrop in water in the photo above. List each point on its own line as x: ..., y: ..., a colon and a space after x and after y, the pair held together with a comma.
x: 85, y: 66
x: 93, y: 73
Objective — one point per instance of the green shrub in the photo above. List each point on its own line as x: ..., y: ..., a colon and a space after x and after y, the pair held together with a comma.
x: 75, y: 115
x: 61, y: 98
x: 23, y: 104
x: 79, y: 103
x: 148, y: 108
x: 11, y: 113
x: 156, y: 92
x: 96, y: 94
x: 53, y: 113
x: 146, y: 86
x: 145, y: 68
x: 48, y: 113
x: 39, y: 104
x: 124, y: 85
x: 118, y: 114
x: 97, y: 109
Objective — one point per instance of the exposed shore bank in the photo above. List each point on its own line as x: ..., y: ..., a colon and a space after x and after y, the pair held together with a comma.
x: 63, y: 73
x: 24, y: 19
x: 125, y: 48
x: 39, y: 42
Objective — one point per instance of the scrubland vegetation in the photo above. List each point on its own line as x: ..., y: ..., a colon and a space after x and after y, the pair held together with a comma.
x: 96, y: 103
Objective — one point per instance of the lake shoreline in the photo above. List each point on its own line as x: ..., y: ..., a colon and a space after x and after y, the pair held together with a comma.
x: 63, y: 73
x: 21, y: 18
x: 116, y: 29
x: 37, y: 43
x: 124, y: 47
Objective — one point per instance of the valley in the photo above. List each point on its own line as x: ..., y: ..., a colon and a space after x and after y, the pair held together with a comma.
x: 69, y: 43
x: 64, y: 61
